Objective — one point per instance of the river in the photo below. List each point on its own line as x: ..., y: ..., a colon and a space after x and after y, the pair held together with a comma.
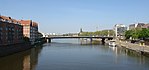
x: 71, y: 54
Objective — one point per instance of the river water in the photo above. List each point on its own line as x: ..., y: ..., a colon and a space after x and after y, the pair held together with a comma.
x: 71, y: 54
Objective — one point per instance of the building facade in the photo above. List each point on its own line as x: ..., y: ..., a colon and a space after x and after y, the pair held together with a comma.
x: 11, y: 31
x: 120, y: 30
x: 30, y: 29
x: 137, y: 25
x: 34, y: 31
x: 146, y: 26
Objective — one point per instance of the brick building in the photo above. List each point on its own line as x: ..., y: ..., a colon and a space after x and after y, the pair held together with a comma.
x: 35, y: 30
x: 30, y: 29
x: 11, y: 31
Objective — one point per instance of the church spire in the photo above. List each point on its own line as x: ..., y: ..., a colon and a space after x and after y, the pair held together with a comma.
x: 81, y: 30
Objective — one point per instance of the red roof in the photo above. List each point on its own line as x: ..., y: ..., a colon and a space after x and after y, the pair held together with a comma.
x: 14, y: 20
x: 22, y: 22
x: 25, y: 22
x: 6, y: 18
x: 9, y: 19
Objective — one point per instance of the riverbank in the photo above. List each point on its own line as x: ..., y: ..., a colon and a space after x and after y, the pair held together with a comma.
x: 140, y: 49
x: 11, y: 49
x: 15, y: 48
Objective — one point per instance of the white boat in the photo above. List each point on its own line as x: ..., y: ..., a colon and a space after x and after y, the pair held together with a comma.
x: 112, y: 43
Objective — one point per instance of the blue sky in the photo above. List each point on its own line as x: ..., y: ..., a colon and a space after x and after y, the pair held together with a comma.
x: 63, y: 16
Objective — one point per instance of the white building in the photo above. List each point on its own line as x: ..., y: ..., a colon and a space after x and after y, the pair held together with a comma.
x: 45, y: 34
x: 119, y: 30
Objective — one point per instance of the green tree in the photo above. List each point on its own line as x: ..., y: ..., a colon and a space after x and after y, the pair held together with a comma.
x: 98, y: 33
x: 111, y: 33
x: 137, y: 33
x: 144, y: 33
x: 128, y: 34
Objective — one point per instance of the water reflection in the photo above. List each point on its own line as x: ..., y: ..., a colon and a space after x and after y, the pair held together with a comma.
x: 119, y: 51
x: 68, y: 55
x: 26, y: 60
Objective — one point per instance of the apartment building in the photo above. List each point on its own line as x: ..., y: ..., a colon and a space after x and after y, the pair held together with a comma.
x: 30, y: 29
x: 119, y: 30
x: 11, y: 31
x: 137, y: 25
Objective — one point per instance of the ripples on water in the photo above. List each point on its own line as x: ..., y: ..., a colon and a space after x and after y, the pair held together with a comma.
x: 70, y: 55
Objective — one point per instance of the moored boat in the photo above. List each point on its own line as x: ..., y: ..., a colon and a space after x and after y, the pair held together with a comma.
x: 112, y: 43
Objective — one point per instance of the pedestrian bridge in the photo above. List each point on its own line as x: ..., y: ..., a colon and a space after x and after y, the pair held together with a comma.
x: 78, y: 37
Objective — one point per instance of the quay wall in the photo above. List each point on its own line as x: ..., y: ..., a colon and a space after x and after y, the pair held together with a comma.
x: 140, y: 49
x: 11, y: 49
x: 16, y: 48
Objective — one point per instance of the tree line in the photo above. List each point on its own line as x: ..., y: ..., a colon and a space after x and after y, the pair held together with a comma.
x: 137, y: 33
x: 98, y: 33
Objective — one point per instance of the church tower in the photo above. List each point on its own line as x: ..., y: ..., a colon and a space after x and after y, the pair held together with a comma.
x: 81, y: 30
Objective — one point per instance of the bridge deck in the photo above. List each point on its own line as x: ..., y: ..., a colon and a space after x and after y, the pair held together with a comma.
x: 78, y: 37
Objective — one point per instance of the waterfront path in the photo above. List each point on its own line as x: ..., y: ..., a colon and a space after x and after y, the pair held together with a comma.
x: 133, y: 46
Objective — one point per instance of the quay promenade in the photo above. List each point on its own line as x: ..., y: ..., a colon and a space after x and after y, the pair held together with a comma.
x: 143, y: 49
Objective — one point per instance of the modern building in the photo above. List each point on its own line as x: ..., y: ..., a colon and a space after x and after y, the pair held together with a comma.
x: 30, y: 29
x: 137, y: 25
x: 120, y: 30
x: 11, y: 31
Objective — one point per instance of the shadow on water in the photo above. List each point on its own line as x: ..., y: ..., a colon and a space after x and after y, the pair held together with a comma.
x: 26, y: 60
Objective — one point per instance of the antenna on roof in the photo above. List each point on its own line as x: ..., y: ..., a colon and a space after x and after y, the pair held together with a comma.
x: 21, y: 18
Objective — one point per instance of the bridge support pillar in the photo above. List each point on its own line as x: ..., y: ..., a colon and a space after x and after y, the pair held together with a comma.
x: 91, y: 40
x: 103, y: 40
x: 110, y: 38
x: 49, y: 40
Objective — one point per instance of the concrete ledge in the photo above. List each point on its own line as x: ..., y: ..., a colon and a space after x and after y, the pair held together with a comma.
x: 134, y: 48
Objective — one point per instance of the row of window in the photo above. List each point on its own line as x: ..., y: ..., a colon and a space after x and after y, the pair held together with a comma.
x: 8, y: 21
x: 10, y: 29
x: 10, y: 38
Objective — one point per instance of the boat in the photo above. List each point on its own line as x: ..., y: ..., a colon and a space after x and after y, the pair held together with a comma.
x: 112, y: 43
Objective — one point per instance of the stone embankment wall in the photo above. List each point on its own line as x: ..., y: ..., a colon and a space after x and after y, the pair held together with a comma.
x: 10, y: 49
x: 15, y: 48
x: 142, y: 49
